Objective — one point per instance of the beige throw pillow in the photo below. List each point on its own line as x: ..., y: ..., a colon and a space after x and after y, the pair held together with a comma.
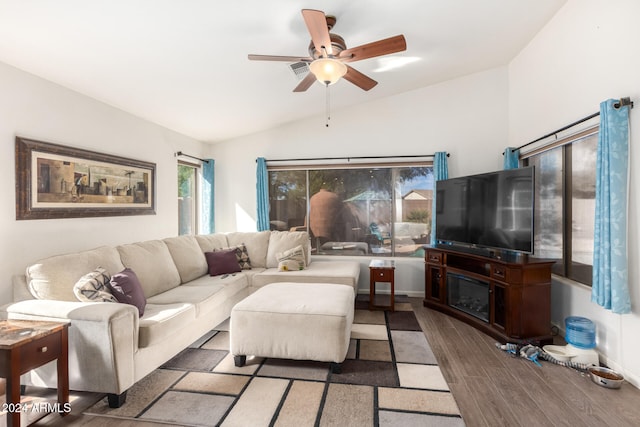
x: 295, y: 254
x: 288, y: 265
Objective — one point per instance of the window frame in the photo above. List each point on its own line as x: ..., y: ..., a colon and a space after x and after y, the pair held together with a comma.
x: 394, y: 172
x: 195, y: 205
x: 566, y: 268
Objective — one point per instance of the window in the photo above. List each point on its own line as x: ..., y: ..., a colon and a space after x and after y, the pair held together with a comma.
x: 382, y: 210
x: 565, y: 204
x: 187, y: 198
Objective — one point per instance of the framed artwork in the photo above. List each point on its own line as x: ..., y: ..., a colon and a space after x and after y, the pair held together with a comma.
x: 55, y: 181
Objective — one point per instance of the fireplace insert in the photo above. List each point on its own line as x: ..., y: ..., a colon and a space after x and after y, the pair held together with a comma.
x: 468, y: 295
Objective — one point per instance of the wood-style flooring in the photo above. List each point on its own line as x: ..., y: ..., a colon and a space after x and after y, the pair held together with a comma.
x: 491, y: 387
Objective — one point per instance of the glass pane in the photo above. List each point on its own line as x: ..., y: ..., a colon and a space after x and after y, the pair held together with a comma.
x: 583, y: 193
x: 186, y: 199
x: 414, y: 198
x: 548, y: 241
x: 350, y: 211
x: 288, y: 200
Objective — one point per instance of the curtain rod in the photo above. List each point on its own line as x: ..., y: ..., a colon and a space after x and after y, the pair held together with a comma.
x: 621, y: 103
x: 180, y: 153
x: 348, y: 159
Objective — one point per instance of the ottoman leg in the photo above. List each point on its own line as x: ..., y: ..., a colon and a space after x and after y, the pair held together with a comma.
x: 336, y: 368
x: 239, y: 361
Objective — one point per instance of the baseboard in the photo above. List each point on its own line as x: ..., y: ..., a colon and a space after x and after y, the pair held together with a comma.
x: 412, y: 294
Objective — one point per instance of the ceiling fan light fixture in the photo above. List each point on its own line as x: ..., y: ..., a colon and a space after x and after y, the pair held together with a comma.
x: 328, y: 70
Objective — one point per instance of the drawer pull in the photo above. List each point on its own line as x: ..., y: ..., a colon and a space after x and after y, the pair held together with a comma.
x: 43, y: 349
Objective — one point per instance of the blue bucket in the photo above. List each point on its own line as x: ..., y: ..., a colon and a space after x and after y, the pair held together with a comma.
x: 580, y: 332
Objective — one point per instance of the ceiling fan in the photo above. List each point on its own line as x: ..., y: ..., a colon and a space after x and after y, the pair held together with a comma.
x: 328, y: 54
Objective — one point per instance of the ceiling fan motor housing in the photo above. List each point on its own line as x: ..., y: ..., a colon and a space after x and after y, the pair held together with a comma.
x: 337, y: 44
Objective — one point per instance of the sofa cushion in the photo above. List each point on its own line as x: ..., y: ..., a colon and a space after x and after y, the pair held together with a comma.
x: 257, y: 243
x: 211, y: 242
x: 54, y: 277
x: 153, y: 265
x: 126, y: 287
x: 94, y: 287
x: 281, y: 241
x: 338, y: 272
x: 162, y: 321
x: 208, y: 295
x: 222, y: 262
x: 187, y: 256
x: 241, y: 280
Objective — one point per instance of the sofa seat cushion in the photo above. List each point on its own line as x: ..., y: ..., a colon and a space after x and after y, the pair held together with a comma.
x: 204, y: 297
x: 240, y: 280
x: 161, y: 321
x: 152, y: 263
x: 187, y: 256
x: 337, y: 272
x: 54, y: 277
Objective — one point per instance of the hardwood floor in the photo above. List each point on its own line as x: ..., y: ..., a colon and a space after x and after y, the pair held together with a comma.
x: 491, y: 387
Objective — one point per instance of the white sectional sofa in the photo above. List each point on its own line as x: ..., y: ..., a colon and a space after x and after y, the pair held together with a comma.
x: 110, y: 346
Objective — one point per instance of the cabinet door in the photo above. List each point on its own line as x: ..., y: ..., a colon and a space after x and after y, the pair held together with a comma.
x: 499, y: 306
x: 435, y: 283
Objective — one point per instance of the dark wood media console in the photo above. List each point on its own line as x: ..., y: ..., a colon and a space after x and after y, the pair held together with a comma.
x: 507, y: 298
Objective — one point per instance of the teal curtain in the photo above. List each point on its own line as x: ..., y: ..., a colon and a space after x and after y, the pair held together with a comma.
x: 207, y: 213
x: 440, y: 172
x: 511, y: 158
x: 262, y: 191
x: 610, y: 287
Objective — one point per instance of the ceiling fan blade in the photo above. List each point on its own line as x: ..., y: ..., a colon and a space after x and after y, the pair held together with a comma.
x: 359, y: 79
x: 371, y: 50
x: 317, y: 25
x: 279, y: 58
x: 305, y: 83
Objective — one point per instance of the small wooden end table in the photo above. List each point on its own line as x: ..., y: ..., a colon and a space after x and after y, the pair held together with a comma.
x: 26, y: 345
x: 381, y: 271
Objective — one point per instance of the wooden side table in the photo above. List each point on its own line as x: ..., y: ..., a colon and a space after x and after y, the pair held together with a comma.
x: 26, y: 345
x: 381, y: 271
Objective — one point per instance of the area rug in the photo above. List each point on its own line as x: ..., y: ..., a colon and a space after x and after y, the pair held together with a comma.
x: 390, y: 378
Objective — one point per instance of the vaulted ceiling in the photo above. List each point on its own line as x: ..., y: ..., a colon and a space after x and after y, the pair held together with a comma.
x: 183, y: 63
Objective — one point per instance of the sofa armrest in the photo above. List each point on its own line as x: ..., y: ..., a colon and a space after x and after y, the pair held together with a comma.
x: 103, y: 339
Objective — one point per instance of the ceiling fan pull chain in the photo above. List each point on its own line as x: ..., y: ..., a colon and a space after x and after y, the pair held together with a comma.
x: 328, y: 108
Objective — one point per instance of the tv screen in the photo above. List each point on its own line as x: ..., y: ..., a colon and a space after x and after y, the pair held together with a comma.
x: 490, y: 210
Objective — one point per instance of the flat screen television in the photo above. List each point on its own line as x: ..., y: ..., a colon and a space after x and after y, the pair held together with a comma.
x: 490, y: 210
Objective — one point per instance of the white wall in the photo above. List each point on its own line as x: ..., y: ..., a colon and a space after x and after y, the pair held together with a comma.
x: 586, y: 54
x: 37, y: 109
x: 466, y: 117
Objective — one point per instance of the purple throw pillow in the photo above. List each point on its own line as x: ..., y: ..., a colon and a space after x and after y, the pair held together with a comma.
x: 222, y: 262
x: 126, y: 287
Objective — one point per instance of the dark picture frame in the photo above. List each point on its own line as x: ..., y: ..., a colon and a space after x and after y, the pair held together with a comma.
x: 56, y: 181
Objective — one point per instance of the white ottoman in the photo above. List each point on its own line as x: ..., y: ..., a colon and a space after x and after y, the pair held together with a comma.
x: 302, y: 321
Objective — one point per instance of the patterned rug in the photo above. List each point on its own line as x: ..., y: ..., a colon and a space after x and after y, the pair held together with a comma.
x: 390, y: 378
